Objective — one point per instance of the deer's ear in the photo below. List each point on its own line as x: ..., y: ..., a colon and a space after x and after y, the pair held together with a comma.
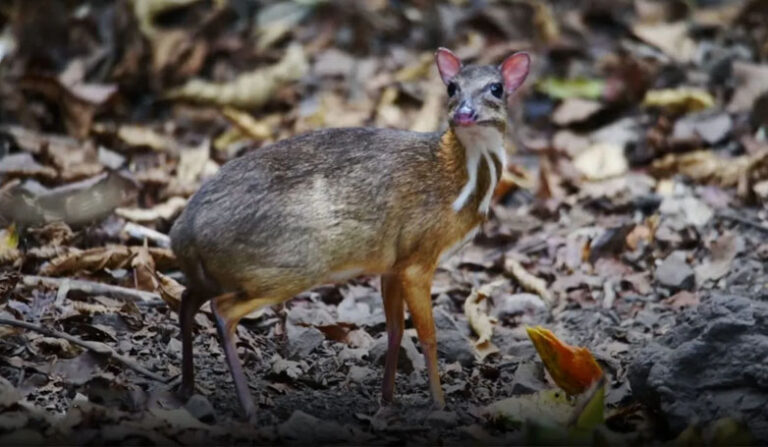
x: 514, y: 70
x: 447, y: 63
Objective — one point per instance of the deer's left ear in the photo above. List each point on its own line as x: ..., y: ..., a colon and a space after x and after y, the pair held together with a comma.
x: 514, y: 70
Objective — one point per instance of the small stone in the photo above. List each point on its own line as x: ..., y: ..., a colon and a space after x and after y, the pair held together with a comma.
x: 199, y: 407
x: 674, y: 273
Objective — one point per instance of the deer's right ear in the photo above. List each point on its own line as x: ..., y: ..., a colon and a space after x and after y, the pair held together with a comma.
x: 447, y: 63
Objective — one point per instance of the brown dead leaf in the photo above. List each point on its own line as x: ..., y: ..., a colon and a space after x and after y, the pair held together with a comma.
x: 704, y: 166
x: 682, y: 299
x: 670, y: 38
x: 476, y: 311
x: 23, y: 165
x: 165, y: 211
x: 170, y: 290
x: 98, y: 258
x: 144, y: 270
x: 528, y: 281
x: 248, y: 90
x: 246, y: 123
x: 80, y: 102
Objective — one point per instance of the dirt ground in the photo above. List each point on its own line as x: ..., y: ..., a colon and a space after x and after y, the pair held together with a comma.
x: 631, y: 220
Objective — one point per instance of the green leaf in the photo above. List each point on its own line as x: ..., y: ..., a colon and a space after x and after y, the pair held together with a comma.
x: 561, y: 88
x: 592, y: 415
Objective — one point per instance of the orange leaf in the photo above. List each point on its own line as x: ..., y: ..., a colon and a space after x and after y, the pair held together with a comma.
x: 572, y: 368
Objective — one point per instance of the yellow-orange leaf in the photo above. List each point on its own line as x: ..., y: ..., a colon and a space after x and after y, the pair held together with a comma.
x: 572, y: 368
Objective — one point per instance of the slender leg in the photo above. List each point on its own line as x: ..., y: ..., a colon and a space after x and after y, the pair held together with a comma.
x: 190, y: 304
x: 417, y: 282
x: 391, y: 289
x: 228, y: 310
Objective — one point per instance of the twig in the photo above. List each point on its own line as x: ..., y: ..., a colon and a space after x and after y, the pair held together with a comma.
x: 92, y: 288
x: 743, y: 220
x: 99, y: 348
x: 141, y: 232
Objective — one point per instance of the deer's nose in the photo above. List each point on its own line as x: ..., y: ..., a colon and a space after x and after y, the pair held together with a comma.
x: 465, y: 115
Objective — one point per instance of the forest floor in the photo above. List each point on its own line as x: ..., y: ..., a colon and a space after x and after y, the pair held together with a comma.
x: 631, y: 221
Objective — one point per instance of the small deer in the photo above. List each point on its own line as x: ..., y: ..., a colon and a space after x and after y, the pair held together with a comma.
x: 334, y: 204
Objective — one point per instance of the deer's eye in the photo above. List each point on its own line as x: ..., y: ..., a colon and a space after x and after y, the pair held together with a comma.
x: 452, y: 89
x: 497, y: 90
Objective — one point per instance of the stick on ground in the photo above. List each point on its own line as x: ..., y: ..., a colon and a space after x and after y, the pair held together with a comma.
x: 99, y: 348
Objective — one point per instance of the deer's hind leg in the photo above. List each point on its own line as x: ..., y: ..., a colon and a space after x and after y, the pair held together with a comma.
x: 229, y: 309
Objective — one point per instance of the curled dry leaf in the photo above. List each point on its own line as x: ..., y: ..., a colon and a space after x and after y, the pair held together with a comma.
x: 751, y: 81
x: 195, y: 163
x: 98, y: 258
x: 601, y: 161
x: 670, y: 38
x: 476, y: 311
x: 247, y: 124
x: 528, y: 281
x: 75, y: 204
x: 704, y: 166
x: 166, y: 211
x: 682, y: 99
x: 24, y: 165
x: 573, y: 369
x: 170, y: 290
x: 248, y: 90
x: 80, y: 102
x: 144, y: 270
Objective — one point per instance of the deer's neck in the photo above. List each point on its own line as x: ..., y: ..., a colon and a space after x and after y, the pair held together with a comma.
x: 481, y: 145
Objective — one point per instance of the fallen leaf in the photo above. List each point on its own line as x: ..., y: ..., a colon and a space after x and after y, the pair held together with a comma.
x: 144, y: 270
x: 574, y: 110
x: 195, y: 163
x: 76, y: 203
x: 682, y: 299
x: 79, y: 101
x: 723, y: 251
x: 751, y: 81
x: 561, y: 88
x: 23, y: 165
x: 681, y: 99
x: 248, y: 90
x: 601, y: 161
x: 170, y: 290
x: 550, y: 406
x: 165, y: 211
x: 670, y: 38
x: 573, y: 369
x: 480, y: 322
x: 98, y: 258
x: 246, y: 123
x: 528, y: 281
